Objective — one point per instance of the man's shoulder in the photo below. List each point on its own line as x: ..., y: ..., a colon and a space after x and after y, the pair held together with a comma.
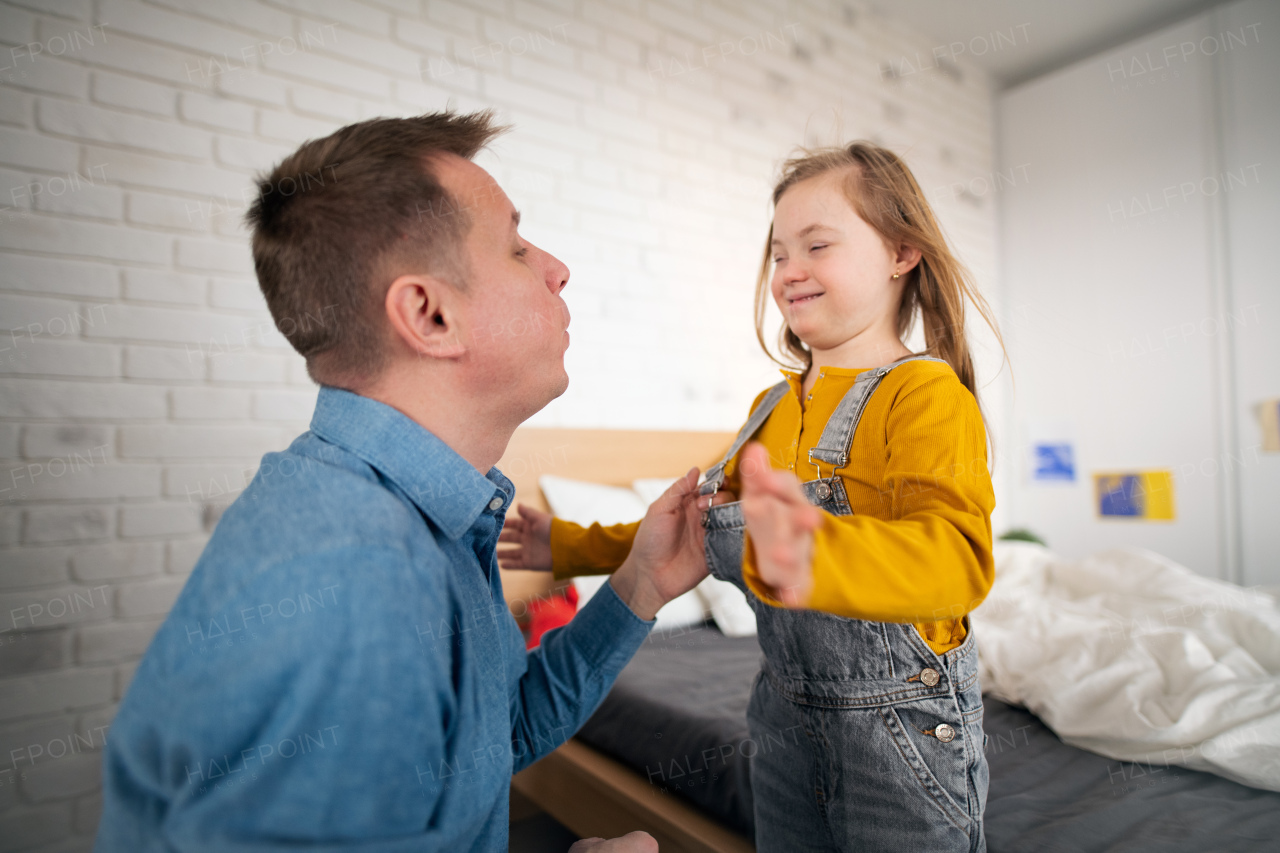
x: 317, y: 546
x: 312, y: 499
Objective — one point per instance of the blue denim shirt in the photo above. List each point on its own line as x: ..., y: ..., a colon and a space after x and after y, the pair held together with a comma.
x: 340, y: 670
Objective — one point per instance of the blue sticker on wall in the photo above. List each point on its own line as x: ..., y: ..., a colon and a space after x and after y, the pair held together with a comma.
x: 1054, y: 462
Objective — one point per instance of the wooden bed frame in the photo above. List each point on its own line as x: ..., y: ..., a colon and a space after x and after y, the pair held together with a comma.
x: 584, y: 789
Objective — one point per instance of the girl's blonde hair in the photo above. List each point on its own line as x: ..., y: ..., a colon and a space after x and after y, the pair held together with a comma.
x: 885, y: 194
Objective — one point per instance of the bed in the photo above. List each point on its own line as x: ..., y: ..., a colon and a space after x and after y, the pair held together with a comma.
x: 668, y: 750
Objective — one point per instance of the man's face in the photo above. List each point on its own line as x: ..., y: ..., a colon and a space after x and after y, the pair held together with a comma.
x: 511, y: 317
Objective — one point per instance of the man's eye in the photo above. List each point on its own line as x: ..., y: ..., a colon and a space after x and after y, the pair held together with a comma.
x: 520, y: 253
x: 817, y: 246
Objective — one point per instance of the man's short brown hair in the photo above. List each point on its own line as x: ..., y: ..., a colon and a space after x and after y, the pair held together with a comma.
x: 336, y: 220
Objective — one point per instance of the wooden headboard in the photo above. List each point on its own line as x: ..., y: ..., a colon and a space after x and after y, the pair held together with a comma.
x: 612, y: 457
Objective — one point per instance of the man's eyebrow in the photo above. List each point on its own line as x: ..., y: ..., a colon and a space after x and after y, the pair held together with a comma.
x: 807, y: 230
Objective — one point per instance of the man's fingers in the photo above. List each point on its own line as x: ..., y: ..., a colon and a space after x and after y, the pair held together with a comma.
x: 510, y: 534
x: 683, y: 490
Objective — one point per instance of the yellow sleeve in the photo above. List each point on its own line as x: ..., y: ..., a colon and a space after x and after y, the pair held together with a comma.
x: 932, y: 560
x: 594, y: 550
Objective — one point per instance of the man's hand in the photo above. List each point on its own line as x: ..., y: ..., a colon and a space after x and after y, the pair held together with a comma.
x: 666, y: 558
x: 781, y: 523
x: 632, y: 842
x: 529, y: 533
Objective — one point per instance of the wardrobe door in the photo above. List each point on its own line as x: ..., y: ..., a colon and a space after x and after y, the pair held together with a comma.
x: 1107, y: 278
x: 1250, y: 77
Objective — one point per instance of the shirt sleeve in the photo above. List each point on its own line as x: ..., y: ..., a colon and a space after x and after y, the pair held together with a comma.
x: 568, y: 675
x: 932, y: 559
x: 594, y: 550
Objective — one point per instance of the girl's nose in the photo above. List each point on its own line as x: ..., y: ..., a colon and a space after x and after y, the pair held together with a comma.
x: 794, y: 271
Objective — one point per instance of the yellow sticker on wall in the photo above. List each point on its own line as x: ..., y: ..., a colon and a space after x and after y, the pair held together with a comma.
x: 1269, y: 414
x: 1144, y: 495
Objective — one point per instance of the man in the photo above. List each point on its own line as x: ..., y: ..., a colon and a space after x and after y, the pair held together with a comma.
x: 340, y: 670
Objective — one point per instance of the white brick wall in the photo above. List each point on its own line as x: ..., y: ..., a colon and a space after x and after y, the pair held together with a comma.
x: 142, y: 378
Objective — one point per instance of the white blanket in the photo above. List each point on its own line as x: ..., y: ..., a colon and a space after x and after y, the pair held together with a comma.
x: 1135, y: 657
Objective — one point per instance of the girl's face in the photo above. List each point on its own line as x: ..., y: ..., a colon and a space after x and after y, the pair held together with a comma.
x: 833, y: 273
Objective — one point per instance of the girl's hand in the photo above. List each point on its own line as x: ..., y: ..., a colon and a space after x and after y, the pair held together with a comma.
x: 781, y: 523
x: 529, y: 534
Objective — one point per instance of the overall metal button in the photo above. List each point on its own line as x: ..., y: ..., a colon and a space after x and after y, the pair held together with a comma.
x: 944, y: 733
x: 495, y: 504
x: 823, y: 491
x: 930, y: 677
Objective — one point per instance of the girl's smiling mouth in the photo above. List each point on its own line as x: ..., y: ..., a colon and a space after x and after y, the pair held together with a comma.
x: 809, y: 297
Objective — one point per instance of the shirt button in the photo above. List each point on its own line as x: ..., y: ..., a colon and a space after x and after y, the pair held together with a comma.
x: 810, y: 397
x: 945, y: 733
x: 495, y: 504
x: 930, y: 677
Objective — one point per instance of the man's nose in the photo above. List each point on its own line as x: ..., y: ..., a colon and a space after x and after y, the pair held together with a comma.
x: 557, y: 273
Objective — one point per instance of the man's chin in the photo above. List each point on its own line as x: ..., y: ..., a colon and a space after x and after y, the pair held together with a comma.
x: 555, y: 387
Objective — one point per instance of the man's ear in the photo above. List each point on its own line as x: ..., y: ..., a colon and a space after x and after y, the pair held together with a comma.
x: 422, y: 312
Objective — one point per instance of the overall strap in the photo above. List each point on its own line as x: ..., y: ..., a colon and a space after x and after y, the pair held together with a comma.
x: 837, y: 435
x: 715, y: 475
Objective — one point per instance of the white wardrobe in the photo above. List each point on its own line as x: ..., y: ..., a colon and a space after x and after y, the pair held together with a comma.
x: 1140, y: 288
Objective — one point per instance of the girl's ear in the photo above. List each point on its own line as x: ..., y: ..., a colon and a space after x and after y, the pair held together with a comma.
x: 423, y: 316
x: 907, y: 258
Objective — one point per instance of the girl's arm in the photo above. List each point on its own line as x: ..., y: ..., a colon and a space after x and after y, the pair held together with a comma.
x: 930, y: 561
x: 544, y: 543
x: 594, y: 550
x: 539, y: 542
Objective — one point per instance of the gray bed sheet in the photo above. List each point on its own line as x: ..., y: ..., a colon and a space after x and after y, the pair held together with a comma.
x: 677, y: 714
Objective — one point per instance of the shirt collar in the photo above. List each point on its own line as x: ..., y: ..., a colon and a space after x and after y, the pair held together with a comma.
x: 447, y: 488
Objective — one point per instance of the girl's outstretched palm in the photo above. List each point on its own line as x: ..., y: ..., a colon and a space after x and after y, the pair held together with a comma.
x: 781, y: 523
x: 528, y: 531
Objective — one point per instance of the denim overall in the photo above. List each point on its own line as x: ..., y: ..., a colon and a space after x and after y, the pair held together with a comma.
x: 891, y: 756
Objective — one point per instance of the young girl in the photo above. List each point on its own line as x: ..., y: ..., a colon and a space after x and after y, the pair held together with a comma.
x: 863, y: 535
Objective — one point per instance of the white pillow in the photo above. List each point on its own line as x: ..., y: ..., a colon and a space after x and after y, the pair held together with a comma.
x: 652, y: 488
x: 586, y: 503
x: 728, y: 605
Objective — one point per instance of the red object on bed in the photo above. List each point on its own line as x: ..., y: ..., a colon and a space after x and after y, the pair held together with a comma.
x: 551, y: 612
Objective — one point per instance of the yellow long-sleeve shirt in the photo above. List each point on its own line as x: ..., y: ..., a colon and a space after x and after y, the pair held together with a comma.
x: 917, y: 547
